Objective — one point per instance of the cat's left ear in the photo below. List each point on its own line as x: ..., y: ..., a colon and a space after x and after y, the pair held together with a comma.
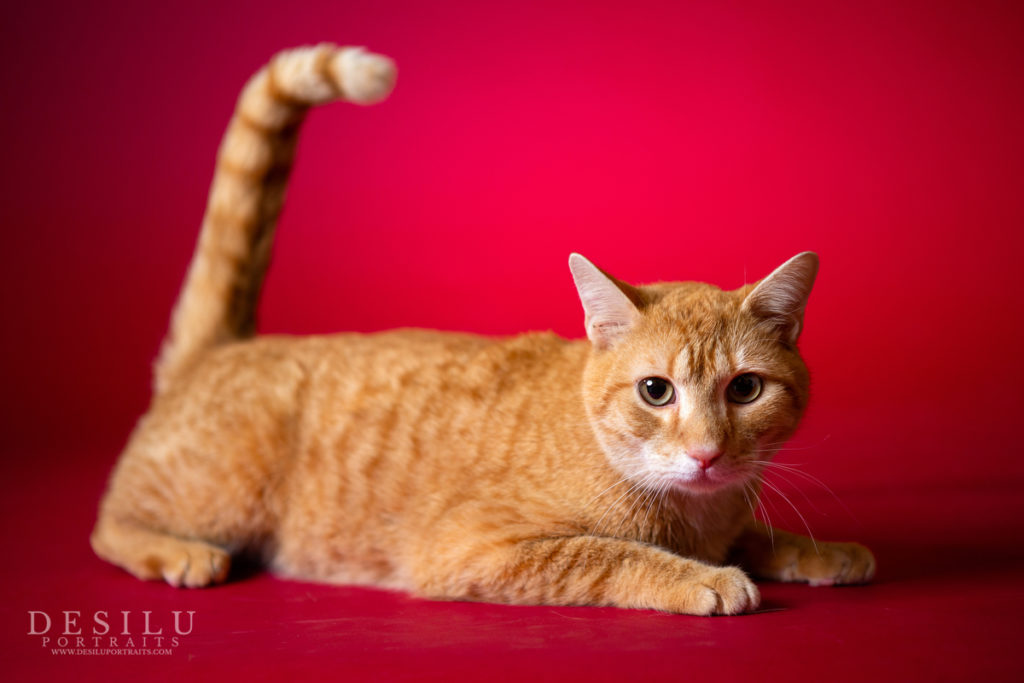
x: 610, y: 305
x: 781, y: 297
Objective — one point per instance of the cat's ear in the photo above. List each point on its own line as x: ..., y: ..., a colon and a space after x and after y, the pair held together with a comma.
x: 781, y: 297
x: 610, y: 305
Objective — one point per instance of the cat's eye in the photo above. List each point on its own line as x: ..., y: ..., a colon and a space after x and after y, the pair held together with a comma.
x: 744, y: 388
x: 656, y: 391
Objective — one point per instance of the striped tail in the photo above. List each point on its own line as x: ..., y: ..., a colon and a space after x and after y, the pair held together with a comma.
x: 219, y: 297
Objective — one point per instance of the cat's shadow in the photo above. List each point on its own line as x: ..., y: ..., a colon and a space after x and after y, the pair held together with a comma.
x: 244, y: 567
x: 768, y: 606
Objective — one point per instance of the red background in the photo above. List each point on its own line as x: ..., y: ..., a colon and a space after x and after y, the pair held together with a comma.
x: 664, y: 140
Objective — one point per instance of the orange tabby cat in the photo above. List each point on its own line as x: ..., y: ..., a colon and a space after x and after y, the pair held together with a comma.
x: 622, y: 470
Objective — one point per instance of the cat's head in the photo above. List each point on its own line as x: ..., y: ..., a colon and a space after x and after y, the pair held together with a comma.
x: 691, y: 387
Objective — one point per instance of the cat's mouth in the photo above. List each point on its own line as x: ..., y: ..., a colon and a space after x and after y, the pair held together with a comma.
x: 707, y: 480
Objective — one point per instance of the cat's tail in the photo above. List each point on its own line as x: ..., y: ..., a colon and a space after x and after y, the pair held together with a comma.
x: 219, y: 297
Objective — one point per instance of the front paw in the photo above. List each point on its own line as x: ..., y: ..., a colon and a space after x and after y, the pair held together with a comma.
x: 720, y: 590
x: 831, y: 564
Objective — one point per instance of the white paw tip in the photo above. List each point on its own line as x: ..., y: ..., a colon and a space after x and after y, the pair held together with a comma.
x: 364, y: 77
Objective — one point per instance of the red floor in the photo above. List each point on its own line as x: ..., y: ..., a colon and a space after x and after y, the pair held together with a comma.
x: 947, y: 605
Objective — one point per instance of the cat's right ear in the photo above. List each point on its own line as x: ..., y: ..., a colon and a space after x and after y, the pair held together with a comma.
x: 610, y: 311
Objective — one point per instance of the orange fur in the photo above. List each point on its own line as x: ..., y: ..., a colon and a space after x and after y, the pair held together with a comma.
x: 523, y: 470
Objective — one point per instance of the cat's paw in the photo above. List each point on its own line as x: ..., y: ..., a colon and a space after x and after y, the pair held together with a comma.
x: 721, y: 590
x: 194, y: 565
x: 832, y: 564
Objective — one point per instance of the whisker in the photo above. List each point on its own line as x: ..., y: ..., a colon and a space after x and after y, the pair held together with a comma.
x: 659, y: 521
x: 641, y: 502
x: 591, y: 501
x: 796, y: 448
x: 746, y: 497
x: 635, y: 485
x: 764, y: 513
x: 781, y: 475
x: 794, y: 469
x: 659, y: 495
x: 642, y: 505
x: 802, y: 519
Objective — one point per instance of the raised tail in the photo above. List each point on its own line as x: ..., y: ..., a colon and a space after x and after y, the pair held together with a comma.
x: 218, y: 300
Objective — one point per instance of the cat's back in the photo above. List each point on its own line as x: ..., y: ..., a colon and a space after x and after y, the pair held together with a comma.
x: 420, y: 382
x: 352, y: 366
x: 283, y: 395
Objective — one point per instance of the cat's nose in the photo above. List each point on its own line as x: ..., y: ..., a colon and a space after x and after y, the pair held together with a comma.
x: 704, y: 456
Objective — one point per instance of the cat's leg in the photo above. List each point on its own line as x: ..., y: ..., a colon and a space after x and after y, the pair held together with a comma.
x: 782, y: 556
x: 153, y: 555
x: 589, y: 570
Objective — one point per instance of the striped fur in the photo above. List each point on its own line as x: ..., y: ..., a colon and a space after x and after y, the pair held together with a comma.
x: 522, y: 470
x: 218, y: 300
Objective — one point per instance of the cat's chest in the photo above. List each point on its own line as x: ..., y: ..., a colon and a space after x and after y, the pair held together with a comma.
x: 704, y: 530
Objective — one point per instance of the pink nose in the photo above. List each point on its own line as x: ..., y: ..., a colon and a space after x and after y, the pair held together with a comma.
x: 704, y: 456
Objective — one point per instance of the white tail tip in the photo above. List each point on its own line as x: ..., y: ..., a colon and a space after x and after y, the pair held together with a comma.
x: 364, y: 77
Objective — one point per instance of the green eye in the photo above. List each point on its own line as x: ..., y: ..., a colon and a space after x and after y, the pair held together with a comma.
x: 656, y: 391
x: 744, y: 388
